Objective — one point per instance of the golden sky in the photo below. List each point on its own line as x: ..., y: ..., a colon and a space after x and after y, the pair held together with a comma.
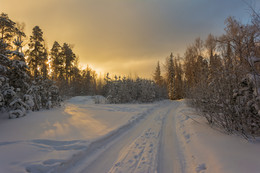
x: 124, y: 36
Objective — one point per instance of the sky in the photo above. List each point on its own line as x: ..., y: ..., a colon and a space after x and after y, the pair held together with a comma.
x: 126, y: 37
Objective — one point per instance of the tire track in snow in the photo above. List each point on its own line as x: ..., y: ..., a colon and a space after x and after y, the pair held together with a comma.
x: 141, y: 154
x: 137, y: 150
x: 83, y: 161
x: 170, y: 158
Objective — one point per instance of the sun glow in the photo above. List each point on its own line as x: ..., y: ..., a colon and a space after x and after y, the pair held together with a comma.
x: 49, y: 66
x: 99, y: 71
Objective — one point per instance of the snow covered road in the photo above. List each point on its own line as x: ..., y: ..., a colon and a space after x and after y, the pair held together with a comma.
x: 169, y: 137
x: 83, y: 137
x: 150, y: 145
x: 170, y: 154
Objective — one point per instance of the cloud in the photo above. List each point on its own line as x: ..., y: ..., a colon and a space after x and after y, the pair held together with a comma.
x: 109, y: 33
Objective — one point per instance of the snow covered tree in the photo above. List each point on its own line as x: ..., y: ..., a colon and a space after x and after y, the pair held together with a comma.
x: 17, y: 91
x: 147, y: 90
x: 13, y: 70
x: 126, y: 90
x: 44, y: 94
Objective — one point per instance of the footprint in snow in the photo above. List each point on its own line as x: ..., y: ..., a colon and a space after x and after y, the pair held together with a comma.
x: 187, y: 137
x: 130, y: 161
x: 201, y: 167
x: 117, y: 164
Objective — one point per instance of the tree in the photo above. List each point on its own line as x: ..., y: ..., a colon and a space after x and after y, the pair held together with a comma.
x: 189, y: 68
x: 13, y: 70
x: 7, y: 28
x: 69, y: 57
x: 19, y: 30
x: 157, y: 75
x: 170, y: 77
x: 225, y: 84
x: 160, y: 83
x: 57, y: 61
x: 18, y: 93
x: 77, y: 87
x: 179, y: 89
x: 44, y: 64
x: 36, y: 50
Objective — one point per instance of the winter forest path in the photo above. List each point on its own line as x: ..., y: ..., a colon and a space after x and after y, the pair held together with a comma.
x: 150, y: 145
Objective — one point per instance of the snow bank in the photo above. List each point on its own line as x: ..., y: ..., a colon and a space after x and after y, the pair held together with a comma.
x: 82, y: 100
x: 210, y: 150
x: 97, y: 99
x: 100, y: 99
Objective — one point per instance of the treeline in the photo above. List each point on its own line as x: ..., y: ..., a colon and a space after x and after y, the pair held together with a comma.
x: 60, y: 64
x: 127, y: 90
x: 221, y: 77
x: 33, y: 77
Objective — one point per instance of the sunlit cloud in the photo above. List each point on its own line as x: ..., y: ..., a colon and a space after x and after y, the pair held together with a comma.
x: 122, y: 36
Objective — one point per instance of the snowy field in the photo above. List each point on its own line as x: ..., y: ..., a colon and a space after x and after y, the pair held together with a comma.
x: 82, y: 136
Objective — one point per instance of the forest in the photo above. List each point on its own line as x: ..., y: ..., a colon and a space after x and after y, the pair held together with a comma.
x: 219, y: 75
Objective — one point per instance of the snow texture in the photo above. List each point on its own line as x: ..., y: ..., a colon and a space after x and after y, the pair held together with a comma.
x: 82, y: 136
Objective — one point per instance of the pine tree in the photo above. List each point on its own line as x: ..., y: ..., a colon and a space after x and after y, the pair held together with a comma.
x: 17, y: 86
x: 36, y: 50
x: 44, y: 64
x: 57, y: 61
x: 7, y: 28
x: 17, y: 91
x: 157, y: 75
x: 77, y: 82
x: 88, y: 82
x: 69, y: 57
x: 19, y: 30
x: 13, y: 70
x: 179, y: 92
x: 170, y: 77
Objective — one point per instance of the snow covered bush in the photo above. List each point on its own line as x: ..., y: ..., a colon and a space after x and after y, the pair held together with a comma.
x: 17, y: 108
x: 247, y: 97
x: 43, y: 93
x: 28, y: 100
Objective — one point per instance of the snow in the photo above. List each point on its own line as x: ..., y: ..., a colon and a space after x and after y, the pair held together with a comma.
x: 55, y: 135
x: 82, y: 136
x: 208, y: 149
